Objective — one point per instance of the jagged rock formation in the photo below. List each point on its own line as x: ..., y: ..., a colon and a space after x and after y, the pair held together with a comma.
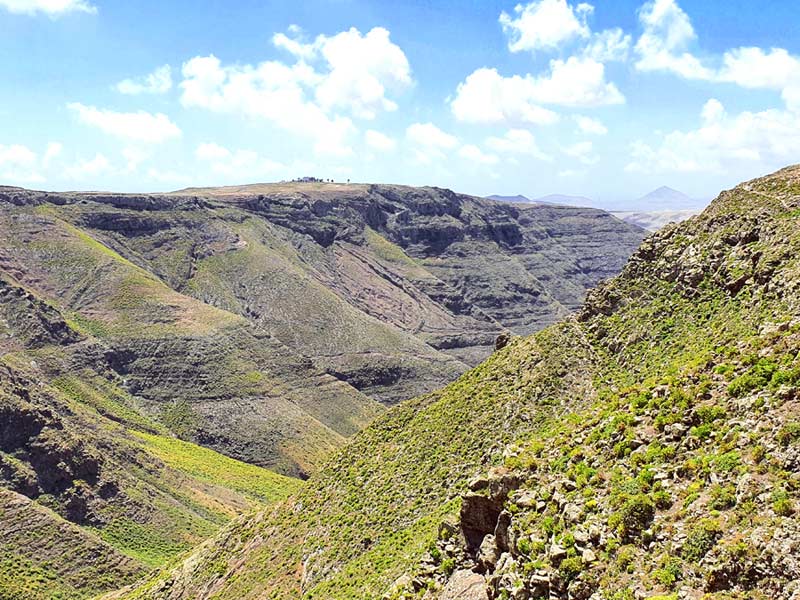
x: 647, y: 448
x: 265, y: 321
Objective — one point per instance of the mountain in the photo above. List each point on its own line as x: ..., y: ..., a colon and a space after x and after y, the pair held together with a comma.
x: 275, y: 319
x: 667, y: 199
x: 646, y: 447
x: 518, y: 198
x: 158, y: 351
x: 557, y: 199
x: 654, y: 220
x: 566, y: 200
x: 93, y: 493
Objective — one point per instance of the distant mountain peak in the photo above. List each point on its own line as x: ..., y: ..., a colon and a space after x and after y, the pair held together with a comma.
x: 667, y: 198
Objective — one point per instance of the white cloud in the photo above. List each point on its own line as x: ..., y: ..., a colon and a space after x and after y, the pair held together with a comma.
x: 361, y: 70
x: 52, y: 152
x: 664, y: 42
x: 52, y: 8
x: 211, y: 151
x: 379, y: 141
x: 19, y: 164
x: 239, y: 165
x: 346, y: 73
x: 590, y: 126
x: 473, y: 153
x: 609, y: 45
x: 485, y: 96
x: 755, y: 68
x: 545, y: 24
x: 516, y: 141
x: 428, y: 134
x: 271, y: 91
x: 157, y: 82
x: 134, y: 157
x: 583, y: 151
x: 723, y: 143
x: 86, y: 169
x: 576, y: 82
x: 663, y: 47
x: 430, y: 143
x: 139, y: 126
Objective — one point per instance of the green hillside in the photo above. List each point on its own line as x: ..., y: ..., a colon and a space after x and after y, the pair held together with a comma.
x: 95, y: 492
x: 646, y: 448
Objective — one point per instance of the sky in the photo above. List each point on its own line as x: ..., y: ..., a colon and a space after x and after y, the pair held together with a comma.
x: 608, y: 99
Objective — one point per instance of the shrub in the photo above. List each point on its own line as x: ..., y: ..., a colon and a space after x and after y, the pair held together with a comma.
x: 782, y: 504
x: 723, y: 497
x: 570, y: 568
x: 701, y: 539
x: 669, y: 573
x: 635, y: 515
x: 789, y: 433
x: 448, y: 565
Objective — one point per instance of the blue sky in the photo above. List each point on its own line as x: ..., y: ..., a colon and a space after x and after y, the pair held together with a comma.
x: 602, y: 99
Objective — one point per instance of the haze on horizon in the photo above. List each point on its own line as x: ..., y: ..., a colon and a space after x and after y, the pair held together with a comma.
x: 607, y: 101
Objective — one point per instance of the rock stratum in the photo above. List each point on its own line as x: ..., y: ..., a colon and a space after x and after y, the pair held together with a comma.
x: 646, y: 448
x: 272, y: 322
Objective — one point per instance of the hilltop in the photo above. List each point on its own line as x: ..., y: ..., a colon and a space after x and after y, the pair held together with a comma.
x: 647, y: 447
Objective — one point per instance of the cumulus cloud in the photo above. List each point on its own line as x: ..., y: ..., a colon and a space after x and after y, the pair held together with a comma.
x: 472, y: 153
x: 379, y: 141
x: 335, y: 78
x: 51, y: 153
x: 664, y: 42
x: 361, y: 70
x: 157, y: 82
x: 590, y: 126
x: 19, y: 164
x: 663, y: 46
x: 545, y: 24
x: 429, y: 142
x: 89, y: 168
x: 138, y: 126
x: 52, y: 8
x: 583, y: 151
x: 485, y: 96
x: 723, y: 142
x: 516, y: 141
x: 608, y: 46
x: 237, y: 164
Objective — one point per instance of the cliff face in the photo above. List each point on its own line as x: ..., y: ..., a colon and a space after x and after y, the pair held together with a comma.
x: 266, y: 321
x: 646, y: 448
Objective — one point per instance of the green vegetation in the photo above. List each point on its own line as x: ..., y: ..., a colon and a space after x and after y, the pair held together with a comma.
x: 206, y: 465
x: 646, y: 431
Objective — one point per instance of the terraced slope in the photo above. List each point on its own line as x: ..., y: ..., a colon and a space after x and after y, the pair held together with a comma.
x: 647, y: 448
x: 268, y: 322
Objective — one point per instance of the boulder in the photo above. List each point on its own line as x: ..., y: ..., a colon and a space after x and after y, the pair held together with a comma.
x: 465, y: 585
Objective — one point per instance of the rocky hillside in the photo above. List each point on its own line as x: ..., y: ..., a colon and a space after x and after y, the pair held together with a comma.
x: 92, y: 491
x: 647, y: 448
x: 270, y: 322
